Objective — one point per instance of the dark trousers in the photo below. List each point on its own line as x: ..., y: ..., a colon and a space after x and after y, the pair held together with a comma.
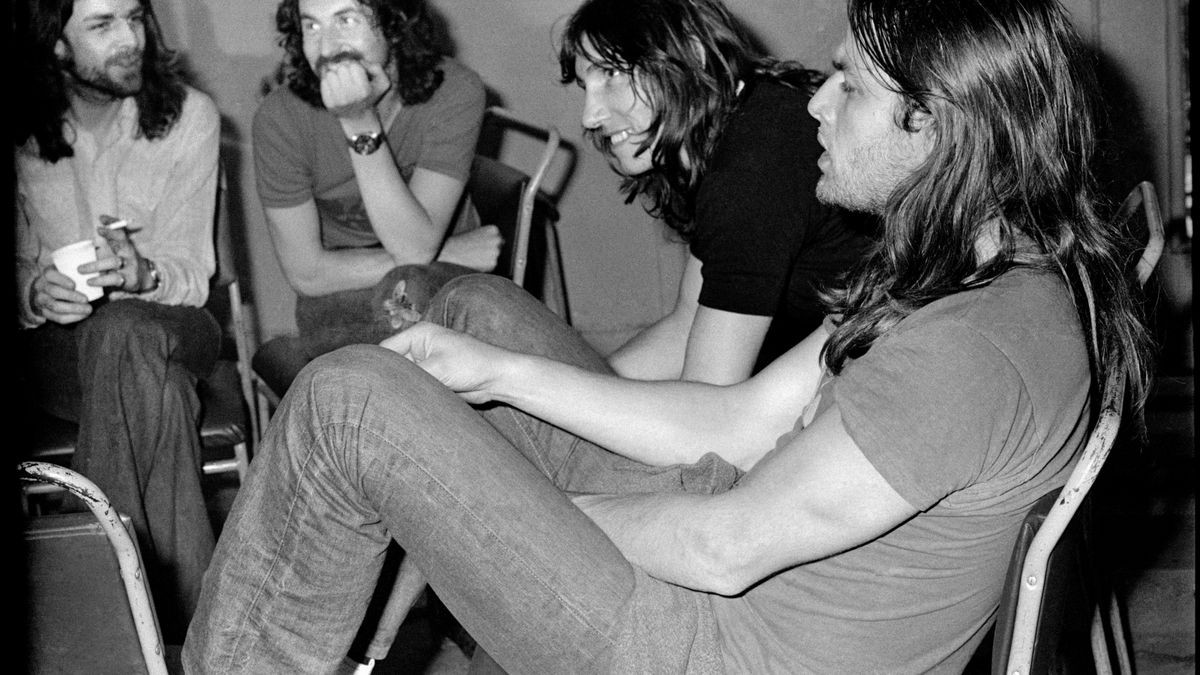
x: 363, y: 316
x: 127, y: 375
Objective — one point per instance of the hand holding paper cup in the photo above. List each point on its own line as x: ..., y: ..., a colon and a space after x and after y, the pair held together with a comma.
x: 68, y: 259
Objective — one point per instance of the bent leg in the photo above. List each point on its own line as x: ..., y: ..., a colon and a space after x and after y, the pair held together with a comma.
x: 367, y: 445
x: 139, y: 439
x: 499, y: 312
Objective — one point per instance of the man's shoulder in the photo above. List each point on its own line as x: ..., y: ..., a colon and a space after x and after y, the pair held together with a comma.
x: 200, y: 108
x: 457, y: 73
x: 1021, y: 314
x: 460, y: 84
x: 281, y: 101
x: 774, y: 117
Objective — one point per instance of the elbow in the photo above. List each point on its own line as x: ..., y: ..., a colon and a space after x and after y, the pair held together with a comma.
x: 307, y: 283
x: 724, y: 563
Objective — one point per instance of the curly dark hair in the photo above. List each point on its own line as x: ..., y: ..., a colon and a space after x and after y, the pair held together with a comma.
x: 412, y: 43
x: 41, y: 84
x: 687, y: 57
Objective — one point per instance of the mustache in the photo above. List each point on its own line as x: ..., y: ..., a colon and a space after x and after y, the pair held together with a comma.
x: 599, y: 139
x: 324, y: 62
x: 126, y: 58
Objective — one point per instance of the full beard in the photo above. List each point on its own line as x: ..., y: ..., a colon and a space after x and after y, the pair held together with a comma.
x: 119, y: 77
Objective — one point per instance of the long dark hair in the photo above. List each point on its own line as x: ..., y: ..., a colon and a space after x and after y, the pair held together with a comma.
x: 407, y: 28
x: 687, y: 57
x: 1011, y: 93
x: 41, y: 84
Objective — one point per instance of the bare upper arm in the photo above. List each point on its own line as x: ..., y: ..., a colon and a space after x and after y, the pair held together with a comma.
x: 296, y: 235
x: 437, y: 193
x: 814, y: 497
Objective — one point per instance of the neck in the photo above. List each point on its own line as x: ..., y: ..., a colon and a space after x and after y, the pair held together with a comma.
x: 93, y: 110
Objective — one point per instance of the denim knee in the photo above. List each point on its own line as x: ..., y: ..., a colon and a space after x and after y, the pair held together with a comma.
x: 481, y: 296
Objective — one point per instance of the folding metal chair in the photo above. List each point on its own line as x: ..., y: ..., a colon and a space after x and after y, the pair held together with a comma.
x: 55, y: 624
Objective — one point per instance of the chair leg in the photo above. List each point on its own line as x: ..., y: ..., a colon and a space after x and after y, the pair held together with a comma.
x: 1100, y: 644
x: 264, y: 412
x: 1116, y: 623
x: 242, y: 455
x: 410, y: 583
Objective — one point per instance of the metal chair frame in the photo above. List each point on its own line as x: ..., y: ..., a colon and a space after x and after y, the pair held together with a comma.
x: 1144, y: 199
x: 129, y: 560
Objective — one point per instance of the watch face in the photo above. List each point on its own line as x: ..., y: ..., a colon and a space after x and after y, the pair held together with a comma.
x: 365, y: 144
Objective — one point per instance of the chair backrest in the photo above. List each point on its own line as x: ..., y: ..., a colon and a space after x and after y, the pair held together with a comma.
x: 1023, y: 624
x: 1140, y: 215
x: 516, y: 202
x: 137, y: 605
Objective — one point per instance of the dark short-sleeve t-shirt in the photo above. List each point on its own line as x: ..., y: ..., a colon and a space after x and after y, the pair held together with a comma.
x: 300, y: 151
x: 764, y: 240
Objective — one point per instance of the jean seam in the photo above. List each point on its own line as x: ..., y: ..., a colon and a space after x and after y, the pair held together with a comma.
x: 470, y: 512
x: 277, y: 555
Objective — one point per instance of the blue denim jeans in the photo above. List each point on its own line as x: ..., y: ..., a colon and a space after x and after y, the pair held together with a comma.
x: 127, y: 375
x: 366, y: 447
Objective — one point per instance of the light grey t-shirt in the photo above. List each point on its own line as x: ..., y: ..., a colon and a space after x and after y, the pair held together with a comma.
x: 971, y: 408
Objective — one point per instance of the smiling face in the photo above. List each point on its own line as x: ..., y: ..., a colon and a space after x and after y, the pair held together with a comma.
x: 616, y: 111
x: 336, y: 30
x: 101, y: 47
x: 867, y: 154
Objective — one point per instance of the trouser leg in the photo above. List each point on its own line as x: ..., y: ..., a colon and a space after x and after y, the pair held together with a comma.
x: 367, y: 445
x: 138, y: 364
x: 497, y: 311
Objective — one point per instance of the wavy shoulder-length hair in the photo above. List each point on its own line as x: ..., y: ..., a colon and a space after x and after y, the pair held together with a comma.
x: 41, y: 84
x: 1011, y: 92
x: 686, y: 58
x: 412, y: 45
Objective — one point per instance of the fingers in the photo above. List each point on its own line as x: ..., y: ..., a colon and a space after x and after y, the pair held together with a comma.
x: 411, y: 342
x: 55, y: 298
x: 118, y: 269
x: 352, y: 87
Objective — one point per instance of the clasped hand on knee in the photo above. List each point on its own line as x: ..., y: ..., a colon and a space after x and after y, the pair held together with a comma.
x: 470, y: 367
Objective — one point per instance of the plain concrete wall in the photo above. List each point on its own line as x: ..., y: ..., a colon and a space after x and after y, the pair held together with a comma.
x: 621, y: 271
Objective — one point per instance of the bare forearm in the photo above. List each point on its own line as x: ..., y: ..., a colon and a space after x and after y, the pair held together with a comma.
x: 341, y: 270
x: 659, y: 423
x: 655, y: 353
x: 398, y: 218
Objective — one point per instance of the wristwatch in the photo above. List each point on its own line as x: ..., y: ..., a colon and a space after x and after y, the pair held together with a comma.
x: 365, y: 144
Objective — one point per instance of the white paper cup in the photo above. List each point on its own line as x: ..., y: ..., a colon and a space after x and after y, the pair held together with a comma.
x: 68, y: 259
